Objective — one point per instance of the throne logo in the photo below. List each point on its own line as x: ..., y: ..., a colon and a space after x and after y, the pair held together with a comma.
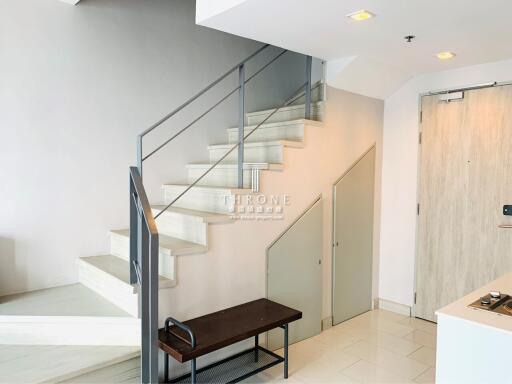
x: 257, y: 206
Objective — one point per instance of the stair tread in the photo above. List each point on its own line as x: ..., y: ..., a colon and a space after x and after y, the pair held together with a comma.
x: 206, y: 216
x: 175, y: 245
x: 263, y: 143
x: 72, y: 361
x: 229, y: 165
x: 287, y: 108
x: 67, y: 300
x: 231, y: 190
x: 278, y: 123
x: 116, y: 266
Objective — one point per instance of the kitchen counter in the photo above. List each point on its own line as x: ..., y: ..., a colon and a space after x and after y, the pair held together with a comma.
x: 473, y: 345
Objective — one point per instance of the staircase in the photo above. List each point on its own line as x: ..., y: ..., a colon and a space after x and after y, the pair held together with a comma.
x: 102, y: 312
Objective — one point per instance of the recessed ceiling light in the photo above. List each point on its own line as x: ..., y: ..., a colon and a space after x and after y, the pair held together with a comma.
x: 445, y: 55
x: 361, y: 15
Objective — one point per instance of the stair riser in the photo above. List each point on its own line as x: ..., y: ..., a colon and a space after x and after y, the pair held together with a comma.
x: 111, y: 288
x: 120, y: 247
x: 260, y: 154
x: 286, y: 114
x: 182, y: 226
x: 69, y: 330
x: 221, y: 202
x: 219, y: 177
x: 293, y: 131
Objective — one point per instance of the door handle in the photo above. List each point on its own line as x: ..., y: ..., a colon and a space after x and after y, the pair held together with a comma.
x: 505, y: 226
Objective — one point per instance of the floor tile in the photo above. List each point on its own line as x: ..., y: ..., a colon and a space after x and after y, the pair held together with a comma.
x: 375, y: 347
x: 384, y: 323
x: 392, y: 362
x: 424, y: 355
x: 423, y: 338
x: 427, y: 377
x: 366, y: 372
x: 337, y: 338
x: 422, y: 325
x: 395, y: 344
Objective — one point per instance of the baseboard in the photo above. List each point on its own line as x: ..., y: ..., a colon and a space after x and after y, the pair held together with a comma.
x: 326, y: 323
x: 391, y: 306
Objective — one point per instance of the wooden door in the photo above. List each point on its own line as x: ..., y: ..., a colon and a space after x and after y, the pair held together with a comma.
x: 465, y: 179
x: 353, y: 240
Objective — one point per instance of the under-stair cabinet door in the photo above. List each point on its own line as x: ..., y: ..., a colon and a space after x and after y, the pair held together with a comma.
x: 294, y: 275
x: 353, y: 239
x: 465, y: 180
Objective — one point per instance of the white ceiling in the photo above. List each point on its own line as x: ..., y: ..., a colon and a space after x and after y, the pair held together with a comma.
x: 477, y: 31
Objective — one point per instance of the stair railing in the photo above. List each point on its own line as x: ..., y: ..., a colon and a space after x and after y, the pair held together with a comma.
x: 144, y: 245
x: 144, y: 271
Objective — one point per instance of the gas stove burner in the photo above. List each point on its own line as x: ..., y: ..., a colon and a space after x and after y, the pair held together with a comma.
x: 495, y: 302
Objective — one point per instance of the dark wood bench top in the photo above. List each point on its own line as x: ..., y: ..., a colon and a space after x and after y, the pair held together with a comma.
x: 220, y: 329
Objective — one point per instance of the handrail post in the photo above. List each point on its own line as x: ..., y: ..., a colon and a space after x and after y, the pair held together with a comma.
x: 241, y: 125
x: 307, y: 104
x: 139, y: 154
x: 153, y: 307
x: 134, y: 223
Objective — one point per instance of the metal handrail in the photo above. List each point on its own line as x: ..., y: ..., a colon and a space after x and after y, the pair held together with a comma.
x: 204, y: 90
x: 297, y: 94
x: 144, y: 249
x: 220, y: 101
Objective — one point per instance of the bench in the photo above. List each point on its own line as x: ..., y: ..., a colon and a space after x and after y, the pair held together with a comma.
x: 194, y: 338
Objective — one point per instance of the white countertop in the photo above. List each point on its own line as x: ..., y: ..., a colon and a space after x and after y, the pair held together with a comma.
x: 459, y: 309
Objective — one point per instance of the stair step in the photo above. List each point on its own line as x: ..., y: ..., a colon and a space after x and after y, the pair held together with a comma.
x: 270, y: 151
x: 126, y: 371
x: 109, y: 276
x: 170, y: 247
x: 292, y: 130
x: 187, y: 224
x: 226, y: 174
x: 291, y: 112
x: 20, y: 364
x: 203, y: 198
x: 66, y: 315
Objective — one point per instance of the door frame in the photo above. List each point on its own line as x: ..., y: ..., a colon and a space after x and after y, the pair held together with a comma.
x: 333, y: 224
x: 418, y: 169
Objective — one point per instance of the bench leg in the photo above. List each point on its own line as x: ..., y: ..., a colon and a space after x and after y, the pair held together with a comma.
x: 256, y: 344
x: 166, y: 367
x: 193, y: 373
x: 286, y: 351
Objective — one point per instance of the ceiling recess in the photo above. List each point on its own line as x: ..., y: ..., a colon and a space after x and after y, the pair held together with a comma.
x: 361, y: 15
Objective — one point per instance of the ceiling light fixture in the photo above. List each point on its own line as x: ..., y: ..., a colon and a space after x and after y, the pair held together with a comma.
x: 445, y: 55
x: 361, y: 15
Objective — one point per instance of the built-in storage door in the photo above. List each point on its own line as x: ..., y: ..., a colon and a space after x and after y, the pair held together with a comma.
x: 353, y: 240
x: 295, y: 275
x: 465, y: 179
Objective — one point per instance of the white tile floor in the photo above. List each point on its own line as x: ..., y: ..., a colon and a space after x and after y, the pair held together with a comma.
x: 376, y: 347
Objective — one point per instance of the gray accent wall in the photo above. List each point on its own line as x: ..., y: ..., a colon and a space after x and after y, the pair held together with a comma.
x: 77, y: 84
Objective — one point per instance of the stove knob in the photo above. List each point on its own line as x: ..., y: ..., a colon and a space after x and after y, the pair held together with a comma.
x: 495, y: 294
x: 485, y: 301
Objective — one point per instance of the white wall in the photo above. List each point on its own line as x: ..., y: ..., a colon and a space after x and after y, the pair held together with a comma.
x: 77, y: 84
x: 399, y: 172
